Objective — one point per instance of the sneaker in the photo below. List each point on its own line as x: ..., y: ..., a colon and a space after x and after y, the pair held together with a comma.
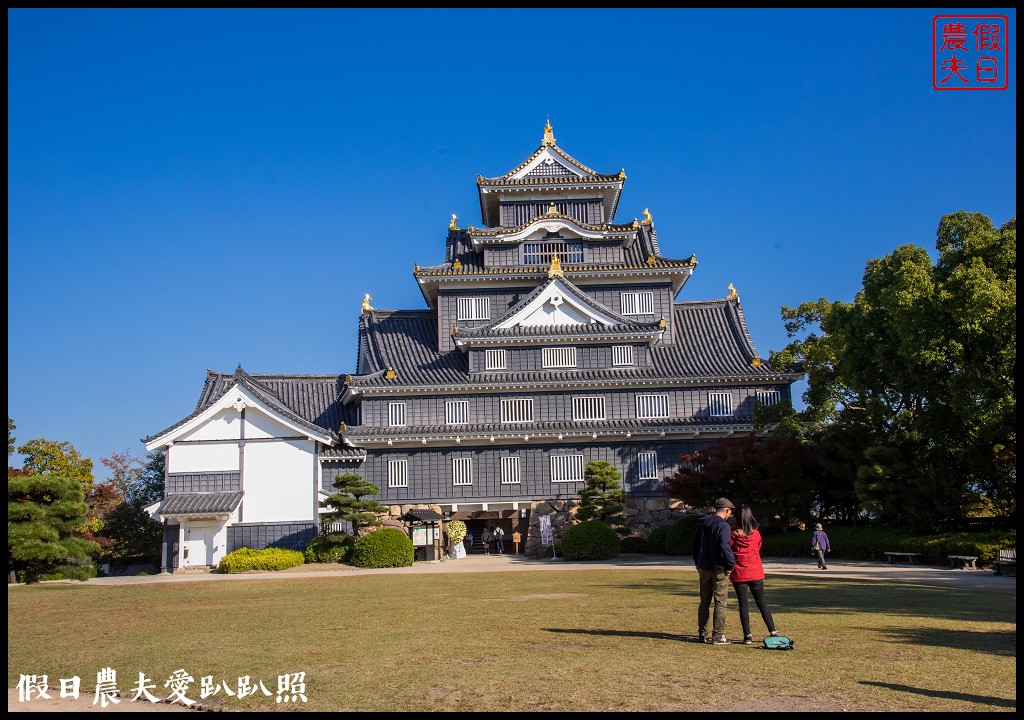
x: 748, y: 639
x: 774, y: 633
x: 720, y: 640
x: 703, y: 637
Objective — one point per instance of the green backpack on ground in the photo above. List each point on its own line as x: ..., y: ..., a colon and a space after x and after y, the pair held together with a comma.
x: 778, y: 642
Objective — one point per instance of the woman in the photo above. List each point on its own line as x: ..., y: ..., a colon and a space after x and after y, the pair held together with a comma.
x: 748, y: 573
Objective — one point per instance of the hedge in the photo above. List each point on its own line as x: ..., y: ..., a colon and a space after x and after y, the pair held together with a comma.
x: 331, y: 548
x: 245, y: 559
x: 591, y: 540
x: 388, y: 547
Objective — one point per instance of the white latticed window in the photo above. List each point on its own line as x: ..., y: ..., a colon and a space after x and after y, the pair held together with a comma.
x: 398, y: 473
x: 494, y: 359
x: 560, y: 357
x: 456, y: 412
x: 566, y: 468
x: 588, y: 408
x: 396, y: 414
x: 541, y: 253
x: 517, y: 411
x: 474, y: 309
x: 651, y: 406
x: 768, y: 397
x: 648, y: 465
x: 510, y: 470
x: 719, y: 404
x: 638, y: 303
x: 462, y: 471
x: 622, y: 355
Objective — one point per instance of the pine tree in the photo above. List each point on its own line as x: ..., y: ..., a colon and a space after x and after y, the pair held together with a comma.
x: 603, y: 497
x: 42, y: 514
x: 347, y: 505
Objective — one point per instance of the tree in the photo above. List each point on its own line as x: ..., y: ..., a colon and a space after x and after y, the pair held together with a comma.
x: 131, y: 533
x: 10, y: 436
x: 921, y: 364
x: 148, y: 487
x: 603, y: 497
x: 348, y: 506
x: 42, y: 514
x: 125, y: 471
x: 50, y: 457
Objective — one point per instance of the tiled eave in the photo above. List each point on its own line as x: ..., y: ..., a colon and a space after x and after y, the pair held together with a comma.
x: 545, y: 433
x: 488, y: 381
x: 464, y: 342
x: 576, y: 271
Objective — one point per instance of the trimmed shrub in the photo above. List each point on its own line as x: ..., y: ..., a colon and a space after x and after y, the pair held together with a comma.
x: 71, y: 571
x: 388, y: 547
x: 331, y: 548
x: 246, y: 559
x: 591, y: 540
x: 635, y: 544
x: 679, y: 538
x: 656, y: 540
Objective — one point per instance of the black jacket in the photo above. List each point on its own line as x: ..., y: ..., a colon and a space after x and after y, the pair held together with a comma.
x: 712, y: 545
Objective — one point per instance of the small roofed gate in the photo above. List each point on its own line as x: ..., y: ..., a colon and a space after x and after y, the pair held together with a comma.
x: 425, y: 533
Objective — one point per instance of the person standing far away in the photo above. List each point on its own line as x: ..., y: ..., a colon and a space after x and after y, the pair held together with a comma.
x: 486, y: 537
x: 469, y: 542
x: 713, y: 556
x: 749, y: 572
x: 499, y: 539
x: 820, y: 546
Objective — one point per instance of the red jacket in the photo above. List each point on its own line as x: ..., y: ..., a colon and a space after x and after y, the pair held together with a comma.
x: 747, y: 549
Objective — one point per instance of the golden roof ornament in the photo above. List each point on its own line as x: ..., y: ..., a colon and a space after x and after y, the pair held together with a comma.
x: 556, y: 267
x: 756, y: 362
x: 366, y: 303
x: 662, y: 324
x: 342, y: 428
x: 636, y: 224
x: 552, y: 210
x: 390, y: 374
x: 549, y: 135
x: 455, y: 329
x: 692, y: 260
x: 651, y: 260
x: 732, y: 293
x: 453, y: 224
x: 348, y: 378
x: 457, y: 265
x: 648, y: 218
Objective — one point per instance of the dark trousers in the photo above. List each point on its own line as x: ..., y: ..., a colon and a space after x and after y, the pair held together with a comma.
x: 757, y: 590
x: 499, y: 543
x: 713, y: 587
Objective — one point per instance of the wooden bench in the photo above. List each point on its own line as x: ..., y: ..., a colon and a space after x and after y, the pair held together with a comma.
x: 1005, y: 562
x: 910, y: 557
x: 964, y: 562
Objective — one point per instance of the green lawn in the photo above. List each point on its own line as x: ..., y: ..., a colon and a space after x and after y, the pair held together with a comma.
x: 524, y: 641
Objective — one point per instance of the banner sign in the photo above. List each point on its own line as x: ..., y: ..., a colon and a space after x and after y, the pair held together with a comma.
x: 546, y: 535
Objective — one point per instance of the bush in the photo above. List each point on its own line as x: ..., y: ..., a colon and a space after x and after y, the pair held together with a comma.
x: 71, y: 571
x: 245, y: 559
x: 387, y: 547
x: 591, y: 540
x: 635, y: 544
x: 331, y: 548
x: 656, y: 540
x: 679, y: 538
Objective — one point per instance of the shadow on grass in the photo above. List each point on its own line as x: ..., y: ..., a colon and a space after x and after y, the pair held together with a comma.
x: 945, y: 694
x: 844, y: 596
x: 674, y: 637
x: 994, y: 643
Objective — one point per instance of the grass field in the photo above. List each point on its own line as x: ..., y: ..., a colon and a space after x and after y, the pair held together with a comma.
x: 596, y: 640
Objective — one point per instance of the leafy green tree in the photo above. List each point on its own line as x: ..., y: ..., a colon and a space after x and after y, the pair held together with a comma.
x: 348, y: 506
x: 603, y: 498
x: 131, y: 533
x: 42, y: 514
x: 148, y: 487
x: 921, y: 365
x: 50, y: 457
x: 10, y: 436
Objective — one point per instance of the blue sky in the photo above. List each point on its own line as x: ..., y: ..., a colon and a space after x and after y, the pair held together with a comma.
x: 193, y: 189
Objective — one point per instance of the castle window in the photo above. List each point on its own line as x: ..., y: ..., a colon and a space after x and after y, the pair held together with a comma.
x: 462, y: 471
x: 768, y: 397
x: 560, y: 357
x: 517, y: 411
x: 456, y: 412
x: 494, y: 359
x: 622, y: 355
x: 396, y: 414
x: 540, y: 253
x: 588, y: 408
x: 476, y: 308
x: 651, y: 406
x: 647, y: 463
x: 510, y: 470
x: 638, y: 303
x: 719, y: 404
x: 566, y: 468
x: 398, y: 473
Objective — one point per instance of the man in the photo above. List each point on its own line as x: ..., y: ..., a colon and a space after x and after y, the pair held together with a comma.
x: 712, y: 554
x: 499, y: 539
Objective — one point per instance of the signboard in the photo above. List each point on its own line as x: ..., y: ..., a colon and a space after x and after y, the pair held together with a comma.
x: 421, y: 537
